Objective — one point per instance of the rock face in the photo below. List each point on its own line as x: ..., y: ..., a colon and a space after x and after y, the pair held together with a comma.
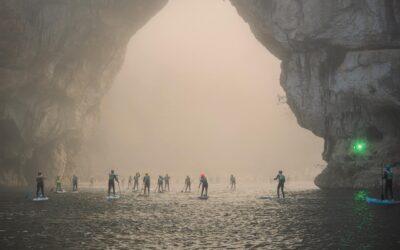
x: 57, y: 60
x: 340, y: 70
x: 341, y: 73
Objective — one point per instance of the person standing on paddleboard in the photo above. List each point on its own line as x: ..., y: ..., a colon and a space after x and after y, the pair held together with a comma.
x: 233, y: 182
x: 111, y: 184
x: 39, y: 185
x: 204, y: 185
x: 74, y: 183
x: 166, y: 182
x: 281, y: 183
x: 130, y: 179
x: 388, y: 177
x: 187, y: 184
x: 136, y: 182
x: 160, y: 184
x: 146, y: 183
x: 58, y: 184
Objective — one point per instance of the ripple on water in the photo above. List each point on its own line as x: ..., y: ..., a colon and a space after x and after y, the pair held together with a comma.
x: 306, y: 219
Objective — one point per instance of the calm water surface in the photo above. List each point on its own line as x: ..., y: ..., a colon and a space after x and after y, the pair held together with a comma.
x: 308, y: 219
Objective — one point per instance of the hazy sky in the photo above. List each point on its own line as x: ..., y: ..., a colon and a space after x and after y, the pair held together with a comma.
x: 198, y: 93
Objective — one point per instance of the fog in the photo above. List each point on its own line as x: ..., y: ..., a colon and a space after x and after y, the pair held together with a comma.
x: 198, y: 93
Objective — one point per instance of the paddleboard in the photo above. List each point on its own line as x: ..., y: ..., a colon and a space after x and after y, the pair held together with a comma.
x: 75, y: 192
x: 60, y: 192
x: 382, y: 202
x: 113, y: 197
x: 203, y: 197
x: 41, y: 199
x: 265, y: 197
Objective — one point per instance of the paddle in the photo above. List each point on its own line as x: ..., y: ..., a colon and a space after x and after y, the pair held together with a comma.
x: 382, y: 195
x: 119, y: 189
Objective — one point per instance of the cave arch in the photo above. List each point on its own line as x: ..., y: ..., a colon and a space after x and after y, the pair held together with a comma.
x: 39, y: 57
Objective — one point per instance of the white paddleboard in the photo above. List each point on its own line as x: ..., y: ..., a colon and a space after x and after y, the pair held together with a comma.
x: 41, y: 198
x: 203, y: 197
x: 113, y: 197
x: 75, y: 192
x: 60, y: 192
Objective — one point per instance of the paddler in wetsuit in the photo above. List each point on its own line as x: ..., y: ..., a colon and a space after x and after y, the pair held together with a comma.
x: 58, y: 184
x: 187, y: 184
x: 74, y: 183
x: 146, y: 183
x: 388, y: 177
x: 233, y: 182
x: 160, y: 184
x: 281, y: 183
x: 130, y: 181
x: 39, y: 185
x: 136, y: 182
x: 166, y: 182
x: 111, y: 183
x: 204, y: 185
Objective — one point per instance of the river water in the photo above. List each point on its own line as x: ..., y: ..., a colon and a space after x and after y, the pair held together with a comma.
x: 308, y: 218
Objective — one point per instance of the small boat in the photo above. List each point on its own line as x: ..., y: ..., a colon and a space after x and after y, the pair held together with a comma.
x: 382, y: 202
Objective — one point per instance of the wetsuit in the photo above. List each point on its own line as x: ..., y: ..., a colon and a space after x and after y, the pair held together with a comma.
x: 388, y: 177
x: 130, y: 182
x: 136, y: 182
x: 166, y: 184
x: 160, y: 184
x: 74, y: 183
x: 188, y: 184
x: 204, y: 185
x: 233, y: 183
x: 281, y: 184
x: 39, y: 186
x: 111, y: 183
x: 58, y: 185
x: 146, y: 182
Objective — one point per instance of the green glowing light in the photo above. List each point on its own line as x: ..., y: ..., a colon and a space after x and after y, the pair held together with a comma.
x: 360, y: 196
x: 360, y: 146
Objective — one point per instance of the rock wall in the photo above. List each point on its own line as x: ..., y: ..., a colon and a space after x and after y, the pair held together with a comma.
x: 57, y: 60
x: 340, y: 71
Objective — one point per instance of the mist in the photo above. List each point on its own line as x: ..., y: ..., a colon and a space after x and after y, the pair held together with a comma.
x: 198, y: 93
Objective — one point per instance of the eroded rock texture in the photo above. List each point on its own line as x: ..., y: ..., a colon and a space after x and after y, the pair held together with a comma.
x: 57, y: 60
x: 341, y: 73
x: 340, y: 70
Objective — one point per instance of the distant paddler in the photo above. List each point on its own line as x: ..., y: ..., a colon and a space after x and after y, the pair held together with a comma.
x: 166, y: 182
x: 204, y: 185
x: 136, y: 182
x: 233, y: 182
x: 187, y: 184
x: 388, y: 178
x: 281, y: 183
x: 130, y: 180
x: 58, y: 184
x: 39, y: 185
x: 112, y: 177
x: 146, y: 183
x: 74, y: 183
x: 160, y: 184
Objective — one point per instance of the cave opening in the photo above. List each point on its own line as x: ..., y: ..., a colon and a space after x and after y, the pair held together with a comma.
x: 198, y: 92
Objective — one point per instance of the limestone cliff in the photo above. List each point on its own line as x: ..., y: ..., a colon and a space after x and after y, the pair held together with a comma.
x: 57, y: 59
x: 340, y: 71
